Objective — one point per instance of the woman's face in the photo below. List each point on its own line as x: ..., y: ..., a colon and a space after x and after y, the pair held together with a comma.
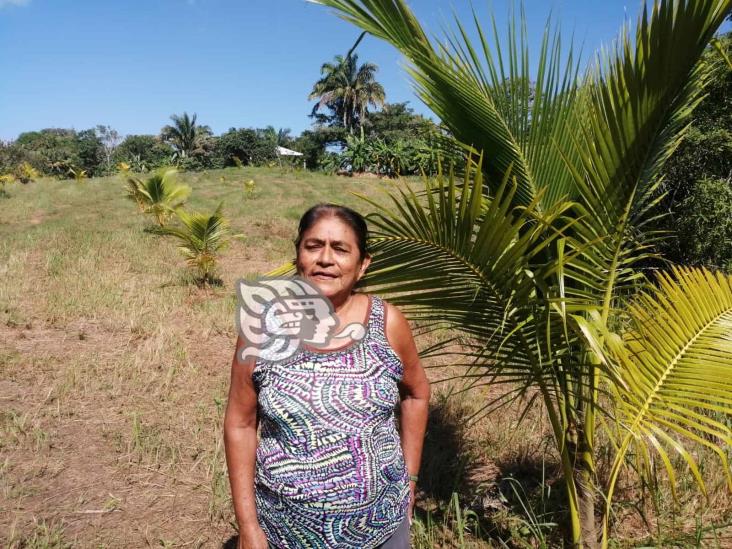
x: 329, y: 257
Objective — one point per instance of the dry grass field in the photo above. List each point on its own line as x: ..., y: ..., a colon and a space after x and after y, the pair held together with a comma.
x: 114, y: 370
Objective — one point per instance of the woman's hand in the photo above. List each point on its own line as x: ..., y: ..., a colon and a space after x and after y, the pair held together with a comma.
x: 252, y: 537
x: 412, y: 491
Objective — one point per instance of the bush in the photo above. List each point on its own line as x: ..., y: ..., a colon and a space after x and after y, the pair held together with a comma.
x: 25, y: 173
x: 705, y: 224
x: 13, y: 155
x: 54, y: 151
x: 313, y: 144
x: 245, y: 146
x: 91, y: 154
x: 698, y: 169
x: 402, y: 157
x: 190, y: 164
x: 142, y: 153
x: 700, y: 155
x: 4, y: 181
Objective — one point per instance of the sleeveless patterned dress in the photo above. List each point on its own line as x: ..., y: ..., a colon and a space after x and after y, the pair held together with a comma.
x: 330, y: 472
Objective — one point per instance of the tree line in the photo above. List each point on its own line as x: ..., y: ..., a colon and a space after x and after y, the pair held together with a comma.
x: 356, y: 130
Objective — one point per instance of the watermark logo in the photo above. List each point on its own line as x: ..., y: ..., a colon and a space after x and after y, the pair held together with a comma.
x: 276, y: 316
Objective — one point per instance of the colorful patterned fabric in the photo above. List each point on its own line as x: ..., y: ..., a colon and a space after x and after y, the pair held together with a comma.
x: 330, y: 471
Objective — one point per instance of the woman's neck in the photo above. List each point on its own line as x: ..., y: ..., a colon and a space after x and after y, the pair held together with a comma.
x: 342, y: 303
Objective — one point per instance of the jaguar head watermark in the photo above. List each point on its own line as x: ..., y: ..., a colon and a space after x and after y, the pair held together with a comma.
x: 277, y: 315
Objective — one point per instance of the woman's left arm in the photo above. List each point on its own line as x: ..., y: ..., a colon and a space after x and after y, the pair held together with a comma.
x: 414, y: 390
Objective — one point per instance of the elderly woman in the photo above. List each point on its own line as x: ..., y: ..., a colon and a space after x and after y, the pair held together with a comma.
x: 329, y: 468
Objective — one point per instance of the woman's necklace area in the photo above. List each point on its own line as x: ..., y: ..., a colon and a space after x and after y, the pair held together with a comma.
x: 343, y: 340
x: 345, y: 308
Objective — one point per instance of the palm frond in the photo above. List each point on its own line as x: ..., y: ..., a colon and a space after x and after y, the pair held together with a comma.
x: 632, y: 113
x: 675, y: 370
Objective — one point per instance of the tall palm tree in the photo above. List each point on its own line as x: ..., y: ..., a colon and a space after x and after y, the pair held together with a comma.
x: 348, y: 89
x: 184, y: 134
x: 537, y: 255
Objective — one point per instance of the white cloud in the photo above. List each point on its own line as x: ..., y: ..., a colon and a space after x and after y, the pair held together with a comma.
x: 4, y: 3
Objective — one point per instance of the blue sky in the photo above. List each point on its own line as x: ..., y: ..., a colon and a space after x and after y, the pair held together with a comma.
x: 243, y: 63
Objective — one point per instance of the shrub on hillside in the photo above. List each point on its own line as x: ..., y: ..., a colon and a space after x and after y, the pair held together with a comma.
x: 252, y: 147
x: 54, y: 151
x: 142, y: 153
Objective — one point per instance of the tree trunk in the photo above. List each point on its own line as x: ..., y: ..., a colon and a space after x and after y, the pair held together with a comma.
x: 582, y: 461
x: 584, y: 480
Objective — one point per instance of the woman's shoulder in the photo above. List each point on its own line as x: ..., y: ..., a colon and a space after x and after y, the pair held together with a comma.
x: 396, y: 325
x: 389, y: 307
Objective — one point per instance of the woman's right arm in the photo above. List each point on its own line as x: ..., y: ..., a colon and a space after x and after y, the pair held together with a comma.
x: 240, y: 441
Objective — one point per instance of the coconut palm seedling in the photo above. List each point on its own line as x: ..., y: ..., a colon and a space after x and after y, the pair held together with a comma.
x: 538, y: 257
x: 123, y: 167
x: 201, y: 237
x: 78, y: 174
x: 4, y: 181
x: 26, y: 173
x: 250, y: 188
x: 158, y: 195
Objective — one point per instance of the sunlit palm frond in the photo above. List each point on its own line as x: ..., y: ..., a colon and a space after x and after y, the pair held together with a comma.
x: 135, y: 192
x: 450, y: 258
x: 631, y: 115
x: 674, y: 377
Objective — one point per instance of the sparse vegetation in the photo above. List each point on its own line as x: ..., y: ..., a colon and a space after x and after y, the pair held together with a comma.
x: 115, y: 368
x: 116, y: 373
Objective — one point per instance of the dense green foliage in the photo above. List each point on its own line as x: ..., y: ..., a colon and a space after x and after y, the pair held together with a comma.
x: 705, y: 227
x: 392, y: 158
x: 395, y: 141
x: 250, y: 146
x: 55, y: 151
x: 698, y: 177
x: 397, y: 121
x: 143, y: 152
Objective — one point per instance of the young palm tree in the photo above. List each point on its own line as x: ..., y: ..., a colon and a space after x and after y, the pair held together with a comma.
x: 78, y: 174
x: 348, y: 89
x: 185, y: 135
x: 201, y: 238
x: 537, y: 254
x: 5, y: 180
x: 158, y: 194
